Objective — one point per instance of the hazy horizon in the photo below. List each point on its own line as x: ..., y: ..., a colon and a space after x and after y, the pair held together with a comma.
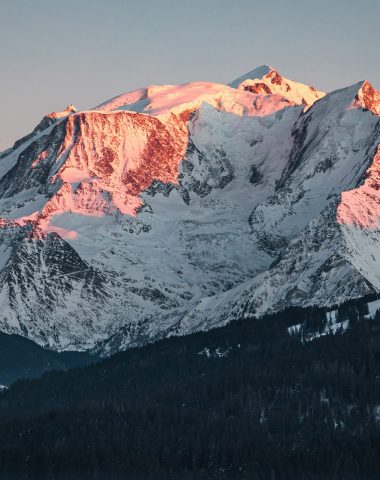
x: 86, y: 51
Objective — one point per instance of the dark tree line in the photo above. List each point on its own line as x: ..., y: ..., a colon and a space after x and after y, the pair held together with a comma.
x: 247, y: 401
x: 22, y: 358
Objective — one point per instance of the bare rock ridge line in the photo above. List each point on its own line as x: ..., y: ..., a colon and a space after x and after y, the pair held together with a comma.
x: 176, y: 208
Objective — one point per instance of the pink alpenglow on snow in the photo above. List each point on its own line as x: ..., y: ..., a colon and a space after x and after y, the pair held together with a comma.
x: 266, y: 80
x: 62, y: 232
x: 158, y: 100
x: 361, y: 206
x: 369, y: 98
x: 179, y: 207
x: 100, y: 161
x: 57, y: 115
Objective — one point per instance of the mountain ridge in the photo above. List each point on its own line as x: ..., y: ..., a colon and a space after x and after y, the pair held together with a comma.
x: 171, y: 208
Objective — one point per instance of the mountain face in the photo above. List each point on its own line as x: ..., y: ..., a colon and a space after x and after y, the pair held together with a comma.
x: 172, y: 209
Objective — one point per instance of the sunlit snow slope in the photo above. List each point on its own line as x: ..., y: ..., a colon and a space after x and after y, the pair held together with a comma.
x: 174, y: 208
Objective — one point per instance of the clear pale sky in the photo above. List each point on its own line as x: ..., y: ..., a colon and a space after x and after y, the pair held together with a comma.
x: 57, y: 52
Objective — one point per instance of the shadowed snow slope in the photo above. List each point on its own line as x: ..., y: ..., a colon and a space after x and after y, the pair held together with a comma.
x: 176, y: 208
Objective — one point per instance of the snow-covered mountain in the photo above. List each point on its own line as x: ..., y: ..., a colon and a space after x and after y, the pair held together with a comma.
x: 266, y: 80
x: 176, y: 208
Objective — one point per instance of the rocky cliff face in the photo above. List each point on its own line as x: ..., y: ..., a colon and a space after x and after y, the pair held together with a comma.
x: 175, y: 208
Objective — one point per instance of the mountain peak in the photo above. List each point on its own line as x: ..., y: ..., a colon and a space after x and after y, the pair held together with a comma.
x: 258, y: 72
x: 266, y: 80
x: 67, y: 111
x: 368, y: 97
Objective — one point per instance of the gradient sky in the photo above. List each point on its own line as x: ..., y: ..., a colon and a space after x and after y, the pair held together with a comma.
x: 57, y: 52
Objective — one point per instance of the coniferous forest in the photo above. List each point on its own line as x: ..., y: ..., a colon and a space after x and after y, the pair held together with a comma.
x: 247, y: 401
x: 20, y: 357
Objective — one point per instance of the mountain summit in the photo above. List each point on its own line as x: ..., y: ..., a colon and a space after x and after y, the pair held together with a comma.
x: 267, y: 80
x: 176, y: 208
x: 258, y: 73
x: 368, y: 97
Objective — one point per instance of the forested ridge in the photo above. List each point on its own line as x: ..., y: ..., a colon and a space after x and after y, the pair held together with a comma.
x: 247, y: 401
x: 22, y: 358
